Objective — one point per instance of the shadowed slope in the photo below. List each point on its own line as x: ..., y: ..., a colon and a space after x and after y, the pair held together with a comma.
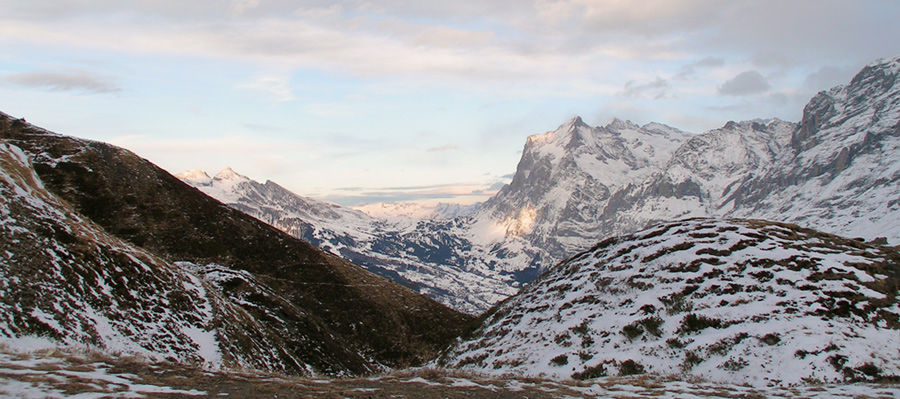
x: 358, y: 321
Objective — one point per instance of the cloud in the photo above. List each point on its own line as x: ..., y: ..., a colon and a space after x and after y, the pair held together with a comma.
x: 277, y: 87
x: 443, y: 148
x: 238, y: 7
x: 690, y: 70
x: 827, y: 77
x: 745, y: 84
x: 75, y: 81
x: 550, y: 44
x: 459, y: 191
x: 657, y: 89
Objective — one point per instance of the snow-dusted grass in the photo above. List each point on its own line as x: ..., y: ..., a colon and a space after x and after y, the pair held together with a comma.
x: 741, y: 302
x: 38, y: 368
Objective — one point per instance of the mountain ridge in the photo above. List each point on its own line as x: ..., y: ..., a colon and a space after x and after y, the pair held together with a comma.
x: 344, y: 320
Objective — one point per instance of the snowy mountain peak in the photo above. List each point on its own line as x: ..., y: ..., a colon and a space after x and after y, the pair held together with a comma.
x: 575, y: 122
x: 195, y: 177
x: 559, y: 138
x: 617, y: 124
x: 230, y: 174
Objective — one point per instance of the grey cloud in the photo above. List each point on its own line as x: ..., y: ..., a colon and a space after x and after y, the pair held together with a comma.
x: 689, y: 70
x: 827, y: 77
x: 499, y: 40
x: 656, y: 89
x: 64, y: 81
x: 745, y: 84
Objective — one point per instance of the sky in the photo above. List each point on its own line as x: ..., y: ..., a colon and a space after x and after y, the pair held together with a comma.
x: 410, y: 100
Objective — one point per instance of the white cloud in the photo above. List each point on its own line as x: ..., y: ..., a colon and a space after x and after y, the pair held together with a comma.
x: 556, y: 42
x: 537, y: 61
x: 278, y: 88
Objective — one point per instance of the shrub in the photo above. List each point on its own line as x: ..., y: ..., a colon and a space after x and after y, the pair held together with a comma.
x: 691, y: 359
x: 632, y: 330
x: 590, y: 373
x: 651, y: 325
x: 560, y: 360
x: 693, y: 322
x: 735, y: 364
x: 771, y: 339
x: 630, y: 367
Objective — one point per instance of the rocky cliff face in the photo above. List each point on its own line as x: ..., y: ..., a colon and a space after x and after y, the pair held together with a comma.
x: 567, y: 177
x: 332, y: 316
x: 841, y: 171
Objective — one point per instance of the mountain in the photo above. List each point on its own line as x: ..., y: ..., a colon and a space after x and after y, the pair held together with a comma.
x: 326, y: 315
x: 738, y: 301
x: 841, y: 171
x: 469, y: 257
x: 837, y: 170
x: 701, y: 177
x: 566, y: 178
x: 429, y: 255
x: 414, y: 211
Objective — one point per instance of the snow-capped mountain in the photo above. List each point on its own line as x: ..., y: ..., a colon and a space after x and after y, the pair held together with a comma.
x: 739, y: 301
x: 701, y: 177
x: 101, y: 247
x: 841, y: 171
x: 566, y: 178
x: 470, y: 257
x: 411, y: 211
x: 836, y: 171
x: 430, y: 255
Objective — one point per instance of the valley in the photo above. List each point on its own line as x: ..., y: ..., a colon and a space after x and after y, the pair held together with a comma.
x: 758, y: 259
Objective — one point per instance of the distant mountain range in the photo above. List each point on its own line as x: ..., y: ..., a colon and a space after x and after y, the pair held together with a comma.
x: 838, y: 170
x: 100, y: 247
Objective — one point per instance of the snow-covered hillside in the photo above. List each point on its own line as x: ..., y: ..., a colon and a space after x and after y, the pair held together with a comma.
x: 740, y: 301
x: 64, y: 278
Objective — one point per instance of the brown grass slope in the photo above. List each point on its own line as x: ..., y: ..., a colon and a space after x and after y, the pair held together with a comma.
x: 345, y: 307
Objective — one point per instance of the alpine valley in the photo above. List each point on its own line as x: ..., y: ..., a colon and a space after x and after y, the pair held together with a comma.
x: 836, y: 171
x: 757, y: 254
